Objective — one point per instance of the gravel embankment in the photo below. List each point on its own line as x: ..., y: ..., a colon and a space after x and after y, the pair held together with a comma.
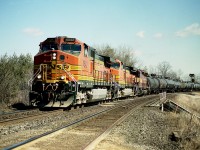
x: 146, y: 129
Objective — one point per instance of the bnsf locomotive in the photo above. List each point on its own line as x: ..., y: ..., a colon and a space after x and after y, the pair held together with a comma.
x: 70, y: 72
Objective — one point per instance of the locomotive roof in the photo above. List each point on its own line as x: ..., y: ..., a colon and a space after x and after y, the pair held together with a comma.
x: 65, y: 39
x: 108, y: 58
x: 61, y: 38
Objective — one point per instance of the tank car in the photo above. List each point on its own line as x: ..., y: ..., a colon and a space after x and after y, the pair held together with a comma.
x: 196, y: 86
x: 183, y: 86
x: 153, y: 84
x: 189, y: 86
x: 177, y: 85
x: 170, y: 85
x: 162, y: 84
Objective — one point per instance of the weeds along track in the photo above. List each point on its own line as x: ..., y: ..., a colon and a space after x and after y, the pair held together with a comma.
x: 87, y: 130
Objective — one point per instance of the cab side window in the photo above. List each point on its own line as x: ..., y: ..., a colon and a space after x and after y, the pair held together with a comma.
x: 85, y: 50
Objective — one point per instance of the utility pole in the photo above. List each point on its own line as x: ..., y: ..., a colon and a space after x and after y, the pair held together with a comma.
x: 192, y: 76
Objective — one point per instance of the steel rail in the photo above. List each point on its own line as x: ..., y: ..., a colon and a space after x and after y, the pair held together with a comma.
x: 99, y: 138
x: 3, y: 117
x: 69, y: 125
x: 60, y: 128
x: 26, y: 116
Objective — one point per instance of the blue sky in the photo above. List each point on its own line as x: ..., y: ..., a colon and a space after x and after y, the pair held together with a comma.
x: 156, y: 30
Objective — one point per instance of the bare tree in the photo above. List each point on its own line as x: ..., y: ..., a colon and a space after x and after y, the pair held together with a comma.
x: 126, y: 55
x: 186, y: 78
x: 197, y: 77
x: 179, y: 73
x: 164, y: 67
x: 153, y: 70
x: 105, y: 50
x: 145, y: 68
x: 172, y: 74
x: 123, y: 53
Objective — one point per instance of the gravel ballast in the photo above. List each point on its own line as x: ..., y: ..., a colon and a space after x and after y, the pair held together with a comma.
x: 146, y: 129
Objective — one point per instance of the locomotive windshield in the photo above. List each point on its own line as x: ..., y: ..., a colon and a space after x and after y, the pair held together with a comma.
x: 74, y: 49
x: 49, y: 46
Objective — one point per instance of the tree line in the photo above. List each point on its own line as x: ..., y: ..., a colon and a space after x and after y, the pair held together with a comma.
x: 15, y: 71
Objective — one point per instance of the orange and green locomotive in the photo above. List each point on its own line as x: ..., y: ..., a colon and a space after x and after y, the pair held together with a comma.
x: 70, y: 72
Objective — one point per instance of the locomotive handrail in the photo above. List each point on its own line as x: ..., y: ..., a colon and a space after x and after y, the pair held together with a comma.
x: 34, y: 76
x: 71, y: 76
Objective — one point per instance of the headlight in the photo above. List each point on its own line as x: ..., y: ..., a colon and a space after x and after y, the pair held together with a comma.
x: 39, y: 76
x: 62, y: 77
x: 54, y: 55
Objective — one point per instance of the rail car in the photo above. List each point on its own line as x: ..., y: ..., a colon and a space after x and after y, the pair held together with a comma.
x: 157, y: 84
x: 70, y: 72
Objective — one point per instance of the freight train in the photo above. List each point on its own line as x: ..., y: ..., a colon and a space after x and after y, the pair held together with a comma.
x: 70, y: 72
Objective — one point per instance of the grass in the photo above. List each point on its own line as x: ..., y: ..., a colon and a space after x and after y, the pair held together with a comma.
x: 190, y: 102
x: 188, y: 128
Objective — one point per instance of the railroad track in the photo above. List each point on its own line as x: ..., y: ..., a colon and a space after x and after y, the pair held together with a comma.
x: 24, y: 115
x: 85, y: 132
x: 17, y: 115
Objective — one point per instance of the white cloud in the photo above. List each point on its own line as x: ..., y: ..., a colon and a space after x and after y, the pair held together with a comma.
x: 193, y: 29
x: 158, y: 35
x: 33, y: 31
x: 141, y: 34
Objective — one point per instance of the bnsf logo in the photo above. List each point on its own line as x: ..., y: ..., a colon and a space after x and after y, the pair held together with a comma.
x: 59, y: 66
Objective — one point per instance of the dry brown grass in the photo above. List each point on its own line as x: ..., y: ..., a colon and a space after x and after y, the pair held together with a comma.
x: 188, y: 128
x: 189, y: 102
